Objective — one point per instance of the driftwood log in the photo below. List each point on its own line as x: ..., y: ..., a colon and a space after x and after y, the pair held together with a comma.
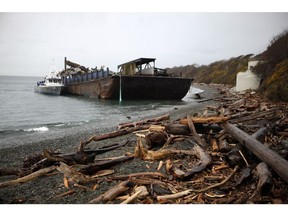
x: 187, y: 192
x: 204, y: 161
x: 27, y: 178
x: 264, y: 176
x: 81, y: 156
x: 132, y: 198
x: 99, y: 150
x: 206, y: 120
x: 156, y: 139
x: 141, y: 174
x: 112, y: 193
x: 177, y: 129
x: 70, y: 172
x: 260, y: 134
x: 9, y: 171
x: 214, y: 145
x: 182, y: 129
x: 271, y: 158
x: 113, y: 134
x: 140, y: 191
x: 200, y: 141
x: 269, y: 113
x: 95, y: 167
x: 145, y: 121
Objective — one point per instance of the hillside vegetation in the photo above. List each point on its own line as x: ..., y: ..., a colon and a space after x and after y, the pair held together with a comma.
x: 273, y: 69
x: 221, y: 72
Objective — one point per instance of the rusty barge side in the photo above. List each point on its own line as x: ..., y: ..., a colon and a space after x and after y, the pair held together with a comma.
x: 132, y: 88
x: 99, y: 88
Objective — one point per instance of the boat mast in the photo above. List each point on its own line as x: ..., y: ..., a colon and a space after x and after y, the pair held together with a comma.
x: 65, y: 60
x: 53, y: 70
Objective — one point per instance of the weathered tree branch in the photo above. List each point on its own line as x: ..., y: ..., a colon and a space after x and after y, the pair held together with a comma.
x: 112, y: 193
x: 140, y: 174
x: 145, y: 121
x: 93, y: 168
x: 206, y: 120
x: 204, y: 161
x: 275, y: 161
x: 70, y: 172
x: 194, y: 132
x: 113, y: 134
x: 264, y: 176
x: 187, y: 192
x: 27, y: 178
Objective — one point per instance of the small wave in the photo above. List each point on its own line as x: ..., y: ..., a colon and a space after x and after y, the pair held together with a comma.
x: 59, y: 125
x: 194, y: 90
x: 78, y: 123
x: 42, y: 128
x: 37, y: 129
x: 75, y: 123
x: 66, y: 124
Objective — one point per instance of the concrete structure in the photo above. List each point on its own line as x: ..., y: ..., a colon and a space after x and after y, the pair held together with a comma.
x: 247, y: 79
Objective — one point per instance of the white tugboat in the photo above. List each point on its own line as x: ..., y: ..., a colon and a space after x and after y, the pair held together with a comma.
x: 52, y: 84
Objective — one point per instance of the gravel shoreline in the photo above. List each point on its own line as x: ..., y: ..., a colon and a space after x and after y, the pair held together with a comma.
x: 45, y: 190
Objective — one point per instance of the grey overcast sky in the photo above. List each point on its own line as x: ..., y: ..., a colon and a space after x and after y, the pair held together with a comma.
x: 30, y: 41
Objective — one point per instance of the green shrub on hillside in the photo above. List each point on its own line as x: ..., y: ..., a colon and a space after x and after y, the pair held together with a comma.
x: 274, y: 69
x: 275, y: 86
x: 221, y: 72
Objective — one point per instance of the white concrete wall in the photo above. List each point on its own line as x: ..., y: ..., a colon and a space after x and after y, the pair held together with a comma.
x: 247, y: 79
x: 252, y: 64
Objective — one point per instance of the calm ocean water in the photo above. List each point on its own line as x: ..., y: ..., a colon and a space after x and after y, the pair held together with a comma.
x: 28, y: 117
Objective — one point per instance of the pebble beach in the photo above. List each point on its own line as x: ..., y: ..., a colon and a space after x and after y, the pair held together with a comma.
x: 45, y: 190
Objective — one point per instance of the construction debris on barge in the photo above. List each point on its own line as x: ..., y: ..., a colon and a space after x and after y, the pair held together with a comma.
x: 136, y: 80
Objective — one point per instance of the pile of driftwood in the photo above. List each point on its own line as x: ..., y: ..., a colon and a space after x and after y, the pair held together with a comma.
x: 234, y: 152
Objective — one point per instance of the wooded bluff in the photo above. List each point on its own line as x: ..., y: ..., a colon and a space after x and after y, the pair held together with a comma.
x: 272, y: 69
